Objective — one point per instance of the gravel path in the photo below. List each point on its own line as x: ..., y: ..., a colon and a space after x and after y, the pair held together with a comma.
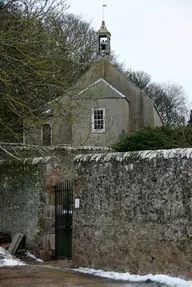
x: 39, y: 276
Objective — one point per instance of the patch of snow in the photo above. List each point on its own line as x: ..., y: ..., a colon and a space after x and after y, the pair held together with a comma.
x: 28, y: 254
x: 21, y: 146
x: 148, y: 154
x: 6, y: 259
x: 11, y: 262
x: 37, y: 160
x: 47, y: 111
x: 159, y: 278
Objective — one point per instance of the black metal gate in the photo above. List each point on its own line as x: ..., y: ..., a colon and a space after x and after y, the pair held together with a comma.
x: 63, y: 219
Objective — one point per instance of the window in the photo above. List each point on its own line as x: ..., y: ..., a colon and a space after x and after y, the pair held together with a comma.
x: 46, y: 135
x: 98, y: 120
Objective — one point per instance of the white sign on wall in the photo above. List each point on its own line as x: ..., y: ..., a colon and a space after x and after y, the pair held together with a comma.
x: 77, y: 202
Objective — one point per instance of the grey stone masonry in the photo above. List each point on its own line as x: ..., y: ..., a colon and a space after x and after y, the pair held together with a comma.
x: 64, y: 153
x: 26, y: 195
x: 135, y: 211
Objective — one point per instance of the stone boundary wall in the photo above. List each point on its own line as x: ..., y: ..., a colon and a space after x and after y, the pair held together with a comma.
x: 27, y: 200
x: 64, y: 153
x: 135, y: 211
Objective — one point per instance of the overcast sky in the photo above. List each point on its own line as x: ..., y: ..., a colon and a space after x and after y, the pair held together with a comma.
x: 150, y: 35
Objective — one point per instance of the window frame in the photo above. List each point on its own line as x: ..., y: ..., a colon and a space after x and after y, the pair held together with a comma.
x: 93, y: 121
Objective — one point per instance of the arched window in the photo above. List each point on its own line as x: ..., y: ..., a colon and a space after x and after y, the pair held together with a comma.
x: 46, y: 135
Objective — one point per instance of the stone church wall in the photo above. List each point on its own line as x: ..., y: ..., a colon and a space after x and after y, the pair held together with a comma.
x: 135, y: 211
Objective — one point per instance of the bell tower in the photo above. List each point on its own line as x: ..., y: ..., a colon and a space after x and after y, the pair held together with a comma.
x: 103, y: 40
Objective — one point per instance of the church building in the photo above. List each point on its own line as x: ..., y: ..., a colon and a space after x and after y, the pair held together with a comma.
x: 101, y: 107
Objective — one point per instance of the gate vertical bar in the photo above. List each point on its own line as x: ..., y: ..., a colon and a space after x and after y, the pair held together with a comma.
x: 63, y: 219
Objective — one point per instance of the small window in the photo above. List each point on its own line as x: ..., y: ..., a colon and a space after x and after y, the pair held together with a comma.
x: 98, y: 120
x: 46, y: 135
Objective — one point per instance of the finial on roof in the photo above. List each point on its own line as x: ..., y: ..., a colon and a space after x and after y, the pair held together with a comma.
x: 103, y: 29
x: 104, y: 37
x: 103, y: 6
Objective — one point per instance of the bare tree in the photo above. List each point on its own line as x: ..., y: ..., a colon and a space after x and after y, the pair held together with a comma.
x: 28, y: 77
x: 140, y: 78
x: 43, y: 51
x: 170, y: 99
x: 171, y: 102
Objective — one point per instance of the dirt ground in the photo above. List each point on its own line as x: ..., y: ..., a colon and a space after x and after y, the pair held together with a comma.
x: 39, y: 276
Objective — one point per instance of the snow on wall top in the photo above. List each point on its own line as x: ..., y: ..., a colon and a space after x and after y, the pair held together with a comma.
x: 123, y: 156
x: 32, y: 161
x: 56, y: 147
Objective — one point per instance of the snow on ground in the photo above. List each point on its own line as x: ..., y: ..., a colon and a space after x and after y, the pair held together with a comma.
x: 159, y: 278
x: 6, y: 259
x: 28, y: 254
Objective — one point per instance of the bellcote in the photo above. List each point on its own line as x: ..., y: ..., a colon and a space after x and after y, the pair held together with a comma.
x: 103, y: 41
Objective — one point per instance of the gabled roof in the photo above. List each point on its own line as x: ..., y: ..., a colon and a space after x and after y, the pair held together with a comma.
x: 104, y: 71
x: 101, y: 80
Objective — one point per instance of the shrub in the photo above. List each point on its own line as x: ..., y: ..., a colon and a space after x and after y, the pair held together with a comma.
x: 165, y: 137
